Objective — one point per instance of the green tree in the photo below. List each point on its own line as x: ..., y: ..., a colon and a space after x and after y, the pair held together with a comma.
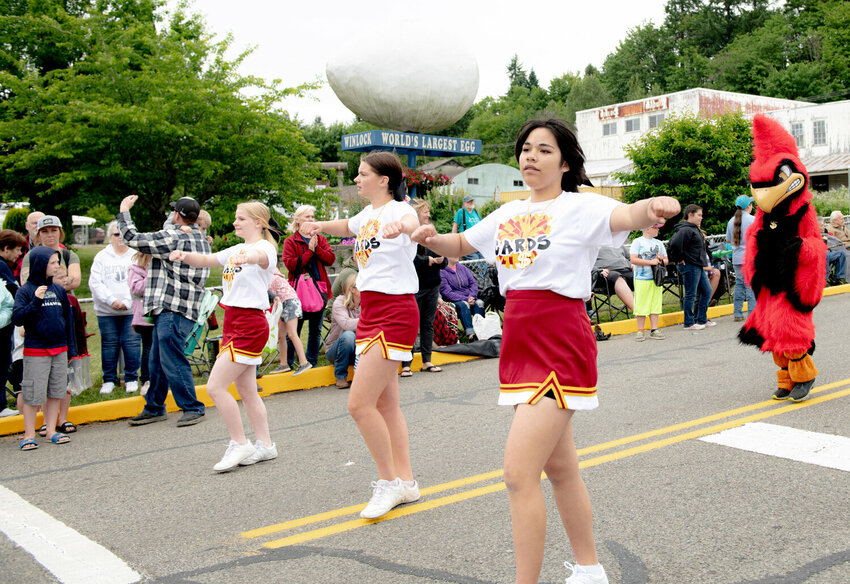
x: 16, y: 220
x: 695, y: 160
x: 132, y: 104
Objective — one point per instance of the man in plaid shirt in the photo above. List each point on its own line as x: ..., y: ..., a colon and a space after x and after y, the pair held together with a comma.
x: 173, y: 293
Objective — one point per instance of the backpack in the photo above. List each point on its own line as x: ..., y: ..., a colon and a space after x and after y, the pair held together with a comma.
x: 445, y: 325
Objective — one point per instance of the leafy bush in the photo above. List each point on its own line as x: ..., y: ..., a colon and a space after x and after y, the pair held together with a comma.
x: 834, y: 200
x: 16, y: 219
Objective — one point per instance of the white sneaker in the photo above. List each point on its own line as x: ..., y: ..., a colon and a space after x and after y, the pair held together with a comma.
x: 107, y: 387
x: 6, y: 412
x: 234, y: 454
x: 145, y: 387
x: 695, y: 327
x: 261, y: 453
x: 385, y: 496
x: 581, y: 575
x: 132, y: 387
x: 710, y: 323
x: 410, y: 491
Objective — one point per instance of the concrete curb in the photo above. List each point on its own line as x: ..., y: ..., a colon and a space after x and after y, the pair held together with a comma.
x: 128, y: 407
x: 117, y: 409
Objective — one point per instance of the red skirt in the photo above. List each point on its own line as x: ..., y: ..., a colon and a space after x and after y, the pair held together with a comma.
x: 246, y: 331
x: 388, y: 321
x: 548, y: 347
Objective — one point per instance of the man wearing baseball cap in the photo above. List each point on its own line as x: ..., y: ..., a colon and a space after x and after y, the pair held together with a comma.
x: 173, y: 293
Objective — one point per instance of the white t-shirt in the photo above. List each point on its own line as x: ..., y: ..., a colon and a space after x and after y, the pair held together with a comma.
x: 246, y: 286
x: 550, y: 245
x: 385, y: 265
x: 646, y: 248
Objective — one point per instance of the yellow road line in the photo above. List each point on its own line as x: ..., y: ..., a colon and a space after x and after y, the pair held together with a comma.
x: 450, y: 499
x: 325, y: 516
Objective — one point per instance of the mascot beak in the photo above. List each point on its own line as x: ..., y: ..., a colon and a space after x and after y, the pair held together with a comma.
x: 788, y: 182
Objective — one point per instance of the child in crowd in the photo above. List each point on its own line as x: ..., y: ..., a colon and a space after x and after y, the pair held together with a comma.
x: 137, y: 275
x: 647, y: 251
x: 289, y: 317
x: 44, y: 311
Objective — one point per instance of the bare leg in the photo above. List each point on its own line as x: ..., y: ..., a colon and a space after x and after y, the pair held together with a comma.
x: 714, y: 280
x: 246, y: 385
x: 535, y: 432
x: 621, y: 288
x: 64, y: 405
x: 390, y: 409
x: 370, y: 381
x: 572, y: 498
x: 653, y: 321
x: 225, y: 372
x: 30, y: 413
x: 640, y: 322
x: 292, y: 333
x: 51, y: 412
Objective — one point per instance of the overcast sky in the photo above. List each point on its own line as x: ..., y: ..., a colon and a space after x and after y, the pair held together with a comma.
x: 294, y: 40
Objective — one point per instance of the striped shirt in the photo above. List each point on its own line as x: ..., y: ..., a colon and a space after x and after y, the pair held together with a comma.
x: 172, y: 286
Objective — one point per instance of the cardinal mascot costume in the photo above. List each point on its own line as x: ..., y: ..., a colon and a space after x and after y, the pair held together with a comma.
x: 785, y: 261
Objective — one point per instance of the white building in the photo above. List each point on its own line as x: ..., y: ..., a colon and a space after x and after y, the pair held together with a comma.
x: 822, y: 130
x: 485, y: 182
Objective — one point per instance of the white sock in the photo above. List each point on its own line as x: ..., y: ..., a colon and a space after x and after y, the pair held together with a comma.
x: 595, y: 570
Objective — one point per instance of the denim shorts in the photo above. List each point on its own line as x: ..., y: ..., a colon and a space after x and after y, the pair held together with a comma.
x: 291, y: 310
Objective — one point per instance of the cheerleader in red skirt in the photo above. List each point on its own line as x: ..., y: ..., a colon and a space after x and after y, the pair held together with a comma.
x: 389, y: 320
x: 248, y: 269
x: 544, y: 248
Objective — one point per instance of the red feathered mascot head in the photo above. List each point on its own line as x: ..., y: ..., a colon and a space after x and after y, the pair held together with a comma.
x: 778, y: 177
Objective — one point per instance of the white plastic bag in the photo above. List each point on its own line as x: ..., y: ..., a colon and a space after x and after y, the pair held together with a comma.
x: 273, y: 318
x: 487, y: 326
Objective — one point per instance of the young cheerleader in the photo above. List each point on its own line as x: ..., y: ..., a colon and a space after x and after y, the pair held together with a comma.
x: 388, y: 322
x: 544, y: 249
x: 248, y: 269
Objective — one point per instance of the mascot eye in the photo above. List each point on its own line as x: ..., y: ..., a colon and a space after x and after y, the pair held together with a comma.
x: 784, y: 172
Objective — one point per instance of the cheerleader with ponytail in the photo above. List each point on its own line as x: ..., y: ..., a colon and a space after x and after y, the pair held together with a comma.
x: 388, y: 323
x: 248, y: 269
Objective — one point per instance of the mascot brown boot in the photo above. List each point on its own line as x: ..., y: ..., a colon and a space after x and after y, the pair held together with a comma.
x: 796, y: 376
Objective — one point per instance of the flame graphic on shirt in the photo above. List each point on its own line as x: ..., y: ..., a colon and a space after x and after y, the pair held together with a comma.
x: 362, y: 246
x: 523, y: 228
x: 230, y: 270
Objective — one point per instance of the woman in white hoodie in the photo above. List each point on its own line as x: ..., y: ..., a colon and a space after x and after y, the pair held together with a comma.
x: 113, y: 306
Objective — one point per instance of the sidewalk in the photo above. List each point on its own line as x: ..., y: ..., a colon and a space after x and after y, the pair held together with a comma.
x: 117, y: 409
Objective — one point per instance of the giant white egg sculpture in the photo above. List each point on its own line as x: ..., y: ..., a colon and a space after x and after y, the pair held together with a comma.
x: 406, y: 76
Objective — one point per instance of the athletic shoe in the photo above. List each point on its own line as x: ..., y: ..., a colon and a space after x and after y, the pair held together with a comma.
x: 581, y: 575
x: 781, y: 394
x: 261, y: 453
x: 190, y: 418
x: 657, y: 335
x: 301, y: 369
x: 342, y: 384
x: 738, y: 319
x: 107, y: 388
x: 695, y: 327
x: 132, y: 387
x: 800, y: 391
x: 411, y: 491
x: 145, y: 387
x: 6, y: 412
x: 385, y: 496
x: 640, y: 336
x: 710, y: 323
x: 147, y: 418
x: 234, y: 454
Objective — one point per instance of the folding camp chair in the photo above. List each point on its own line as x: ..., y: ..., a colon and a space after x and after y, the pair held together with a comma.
x: 196, y: 350
x: 603, y: 297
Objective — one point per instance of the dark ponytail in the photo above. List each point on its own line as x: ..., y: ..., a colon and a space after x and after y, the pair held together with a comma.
x: 387, y: 164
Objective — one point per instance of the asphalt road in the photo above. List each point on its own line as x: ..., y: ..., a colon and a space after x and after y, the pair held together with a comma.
x: 668, y: 507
